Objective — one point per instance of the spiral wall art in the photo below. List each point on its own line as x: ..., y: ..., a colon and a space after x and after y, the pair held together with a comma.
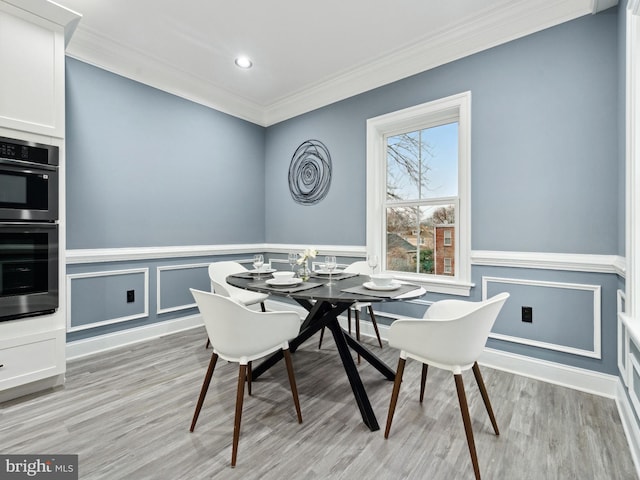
x: 310, y: 173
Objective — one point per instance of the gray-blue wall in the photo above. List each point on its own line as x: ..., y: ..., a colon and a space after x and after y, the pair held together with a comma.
x: 621, y: 119
x: 146, y: 168
x: 547, y: 170
x: 544, y: 151
x: 546, y: 165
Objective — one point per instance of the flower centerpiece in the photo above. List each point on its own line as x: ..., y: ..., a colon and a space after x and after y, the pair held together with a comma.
x: 303, y: 261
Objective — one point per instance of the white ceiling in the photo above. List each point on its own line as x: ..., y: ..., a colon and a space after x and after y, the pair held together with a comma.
x: 304, y: 56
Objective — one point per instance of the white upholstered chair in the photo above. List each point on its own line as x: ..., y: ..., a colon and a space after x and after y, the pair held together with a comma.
x: 451, y: 335
x: 241, y: 335
x: 360, y: 267
x: 218, y: 273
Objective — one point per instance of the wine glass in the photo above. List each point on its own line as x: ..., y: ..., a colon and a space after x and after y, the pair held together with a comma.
x: 330, y: 265
x: 258, y: 262
x: 372, y: 260
x: 293, y: 259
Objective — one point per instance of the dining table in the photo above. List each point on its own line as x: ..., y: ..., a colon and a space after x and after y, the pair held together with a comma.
x: 324, y: 301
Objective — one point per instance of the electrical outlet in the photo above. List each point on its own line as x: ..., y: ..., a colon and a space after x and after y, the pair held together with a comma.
x: 527, y: 314
x: 131, y: 296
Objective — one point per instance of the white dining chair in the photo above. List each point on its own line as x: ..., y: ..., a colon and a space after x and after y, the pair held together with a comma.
x: 241, y: 335
x: 218, y: 273
x: 362, y: 268
x: 451, y: 335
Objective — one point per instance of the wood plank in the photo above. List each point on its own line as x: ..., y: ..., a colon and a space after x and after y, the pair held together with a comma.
x: 127, y: 414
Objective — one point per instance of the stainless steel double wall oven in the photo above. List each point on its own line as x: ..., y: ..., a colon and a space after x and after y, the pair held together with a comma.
x: 29, y: 256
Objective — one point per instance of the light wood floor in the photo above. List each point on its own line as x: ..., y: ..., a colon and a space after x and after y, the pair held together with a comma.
x: 127, y: 414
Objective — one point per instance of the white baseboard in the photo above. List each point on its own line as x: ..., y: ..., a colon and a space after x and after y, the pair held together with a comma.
x: 102, y: 343
x: 629, y: 424
x: 564, y: 375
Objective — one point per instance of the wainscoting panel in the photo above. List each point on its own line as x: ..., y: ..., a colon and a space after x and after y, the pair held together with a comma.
x: 173, y: 284
x: 100, y: 298
x: 566, y: 316
x: 634, y: 383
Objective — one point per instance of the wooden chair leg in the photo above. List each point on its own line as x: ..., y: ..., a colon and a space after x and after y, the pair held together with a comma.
x: 349, y: 319
x: 249, y: 378
x: 423, y: 380
x: 394, y: 395
x: 321, y: 337
x: 205, y: 388
x: 236, y: 427
x: 264, y: 309
x: 357, y: 312
x: 375, y: 325
x: 292, y: 382
x: 485, y: 396
x: 464, y: 410
x: 208, y: 343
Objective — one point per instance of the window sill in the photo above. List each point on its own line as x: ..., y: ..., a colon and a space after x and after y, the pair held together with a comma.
x: 432, y: 285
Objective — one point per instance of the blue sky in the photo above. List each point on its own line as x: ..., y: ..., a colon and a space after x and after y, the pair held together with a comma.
x: 442, y: 162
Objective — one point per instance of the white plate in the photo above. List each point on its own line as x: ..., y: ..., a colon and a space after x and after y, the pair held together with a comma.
x: 382, y: 288
x: 326, y: 272
x: 275, y: 282
x: 264, y: 270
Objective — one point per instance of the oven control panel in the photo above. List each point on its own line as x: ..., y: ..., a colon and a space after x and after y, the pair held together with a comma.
x: 19, y: 150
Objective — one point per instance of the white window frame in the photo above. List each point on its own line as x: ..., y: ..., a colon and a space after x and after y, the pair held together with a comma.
x: 453, y: 108
x: 632, y: 169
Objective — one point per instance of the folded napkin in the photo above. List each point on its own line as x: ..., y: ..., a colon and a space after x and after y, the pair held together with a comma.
x: 398, y: 292
x: 244, y: 275
x: 286, y: 288
x: 335, y: 276
x: 251, y: 275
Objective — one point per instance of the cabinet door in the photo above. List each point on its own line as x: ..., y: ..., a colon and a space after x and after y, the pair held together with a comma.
x: 30, y: 358
x: 32, y: 79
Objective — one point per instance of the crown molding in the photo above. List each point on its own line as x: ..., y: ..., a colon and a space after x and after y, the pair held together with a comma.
x: 599, y: 5
x: 108, y: 54
x: 511, y: 21
x: 507, y: 22
x: 51, y: 11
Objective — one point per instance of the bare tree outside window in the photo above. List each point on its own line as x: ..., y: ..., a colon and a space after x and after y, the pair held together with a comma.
x: 420, y: 167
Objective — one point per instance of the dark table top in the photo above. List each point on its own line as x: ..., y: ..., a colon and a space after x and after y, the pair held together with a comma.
x: 355, y: 292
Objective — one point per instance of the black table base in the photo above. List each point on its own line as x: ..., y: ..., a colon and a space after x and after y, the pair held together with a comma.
x: 325, y: 314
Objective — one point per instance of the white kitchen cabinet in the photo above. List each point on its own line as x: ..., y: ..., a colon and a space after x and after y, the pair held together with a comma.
x: 33, y: 34
x: 30, y: 358
x: 32, y: 80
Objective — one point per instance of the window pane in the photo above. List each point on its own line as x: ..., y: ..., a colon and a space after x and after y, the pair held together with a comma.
x: 402, y: 232
x: 416, y: 239
x: 423, y: 164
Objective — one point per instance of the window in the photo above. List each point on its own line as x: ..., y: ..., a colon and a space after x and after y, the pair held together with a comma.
x: 447, y: 266
x: 447, y: 238
x: 418, y: 193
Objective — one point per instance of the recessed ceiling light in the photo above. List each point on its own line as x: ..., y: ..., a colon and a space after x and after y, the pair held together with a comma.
x: 243, y: 62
